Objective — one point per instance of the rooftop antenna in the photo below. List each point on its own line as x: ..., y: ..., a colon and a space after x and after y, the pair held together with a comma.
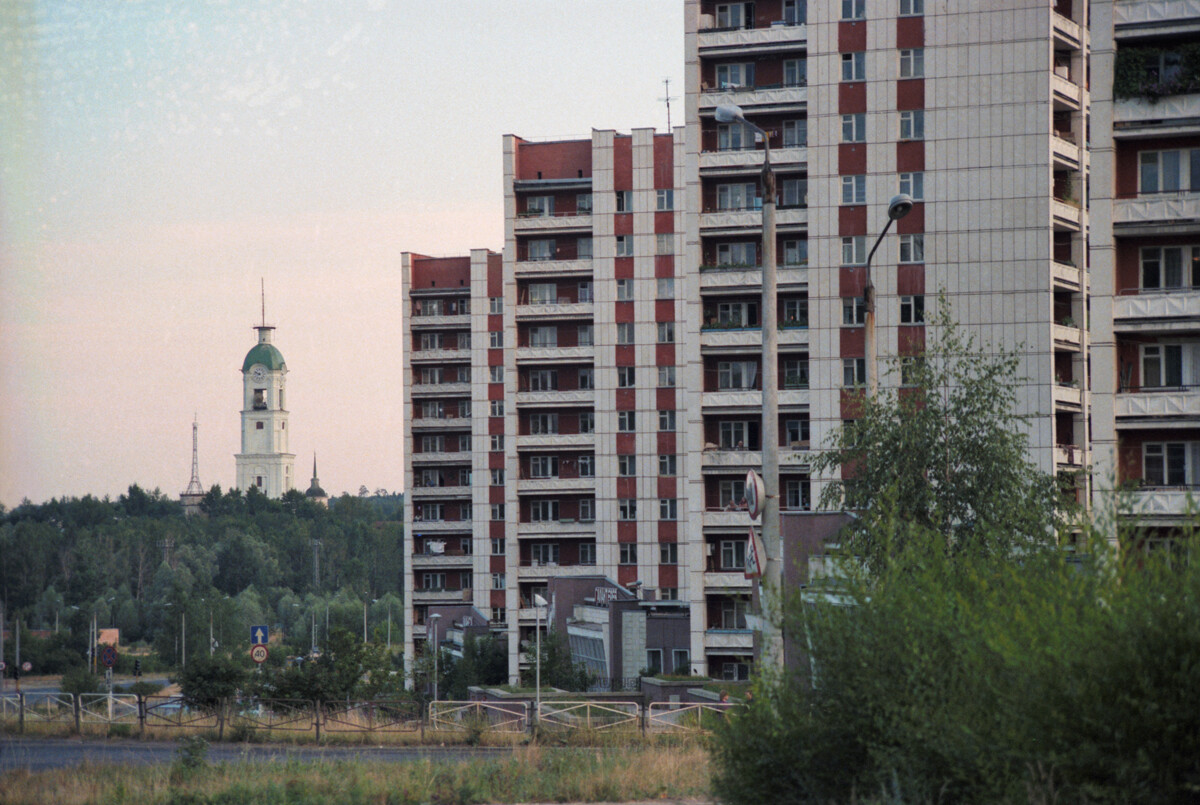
x: 194, y: 487
x: 667, y: 97
x: 263, y: 287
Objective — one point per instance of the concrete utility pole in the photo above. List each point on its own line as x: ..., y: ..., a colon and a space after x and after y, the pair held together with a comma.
x: 1, y: 645
x: 898, y: 207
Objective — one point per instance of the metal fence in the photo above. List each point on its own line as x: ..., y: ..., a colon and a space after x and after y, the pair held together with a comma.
x: 508, y: 717
x: 676, y: 717
x: 590, y: 716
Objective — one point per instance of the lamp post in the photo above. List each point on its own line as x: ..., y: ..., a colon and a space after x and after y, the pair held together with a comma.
x: 538, y: 603
x: 772, y: 541
x: 898, y: 207
x: 433, y: 619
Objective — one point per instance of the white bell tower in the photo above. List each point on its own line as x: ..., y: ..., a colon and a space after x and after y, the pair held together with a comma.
x: 264, y: 461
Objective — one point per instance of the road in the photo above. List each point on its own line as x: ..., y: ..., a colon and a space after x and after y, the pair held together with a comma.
x: 42, y: 685
x: 39, y: 754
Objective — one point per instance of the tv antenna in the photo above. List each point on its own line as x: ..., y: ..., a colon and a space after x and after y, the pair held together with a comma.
x: 667, y: 98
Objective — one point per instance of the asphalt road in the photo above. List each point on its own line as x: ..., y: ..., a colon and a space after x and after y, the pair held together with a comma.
x: 38, y: 754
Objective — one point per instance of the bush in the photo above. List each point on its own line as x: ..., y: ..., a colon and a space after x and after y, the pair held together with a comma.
x: 80, y: 680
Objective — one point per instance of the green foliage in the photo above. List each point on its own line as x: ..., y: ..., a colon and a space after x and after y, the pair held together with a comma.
x: 947, y: 450
x: 484, y: 662
x: 348, y: 669
x: 558, y: 669
x: 80, y: 680
x: 1136, y: 72
x: 191, y: 755
x: 207, y: 680
x: 984, y: 679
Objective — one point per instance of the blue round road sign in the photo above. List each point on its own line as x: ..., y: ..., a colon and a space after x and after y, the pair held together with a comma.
x: 108, y: 656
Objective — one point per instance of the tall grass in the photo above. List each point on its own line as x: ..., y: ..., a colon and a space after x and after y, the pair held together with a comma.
x: 531, y: 774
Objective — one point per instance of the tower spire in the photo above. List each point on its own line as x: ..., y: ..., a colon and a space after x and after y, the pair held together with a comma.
x: 194, y: 487
x: 263, y: 291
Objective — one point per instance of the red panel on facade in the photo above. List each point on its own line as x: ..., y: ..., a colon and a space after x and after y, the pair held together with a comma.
x: 665, y: 399
x: 664, y: 265
x: 1128, y: 277
x: 495, y: 357
x: 496, y: 530
x: 910, y: 156
x: 496, y: 494
x: 664, y: 163
x: 851, y: 280
x: 852, y: 220
x: 624, y: 355
x: 496, y: 321
x: 852, y: 36
x: 626, y: 574
x: 623, y: 224
x: 622, y: 162
x: 664, y: 222
x: 914, y: 222
x: 910, y: 339
x: 496, y: 565
x: 497, y: 598
x: 627, y: 487
x: 666, y: 442
x: 626, y: 531
x: 623, y: 313
x: 852, y: 97
x: 495, y: 391
x: 850, y: 405
x: 910, y: 93
x: 627, y: 442
x: 853, y: 342
x: 559, y: 160
x: 667, y: 486
x: 623, y: 268
x: 910, y: 279
x: 440, y: 272
x: 664, y: 310
x: 625, y: 399
x: 910, y: 32
x: 496, y: 460
x: 852, y: 159
x: 668, y: 575
x: 664, y: 355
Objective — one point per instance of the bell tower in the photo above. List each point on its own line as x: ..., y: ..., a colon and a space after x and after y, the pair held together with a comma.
x: 264, y: 461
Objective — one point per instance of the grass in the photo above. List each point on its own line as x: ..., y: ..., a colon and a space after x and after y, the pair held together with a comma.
x: 530, y: 774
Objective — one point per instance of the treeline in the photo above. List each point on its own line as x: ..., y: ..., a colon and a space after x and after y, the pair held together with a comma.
x: 139, y: 564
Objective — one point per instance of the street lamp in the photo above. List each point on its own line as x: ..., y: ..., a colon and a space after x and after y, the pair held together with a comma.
x: 433, y: 619
x: 898, y: 207
x: 538, y: 603
x: 772, y: 541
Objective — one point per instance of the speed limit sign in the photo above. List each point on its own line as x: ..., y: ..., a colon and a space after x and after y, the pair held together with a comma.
x: 258, y: 654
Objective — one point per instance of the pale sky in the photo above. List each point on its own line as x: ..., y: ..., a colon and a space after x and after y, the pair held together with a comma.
x: 158, y: 158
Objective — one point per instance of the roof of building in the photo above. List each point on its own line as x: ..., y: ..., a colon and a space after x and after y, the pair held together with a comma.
x: 267, y: 355
x: 315, y: 491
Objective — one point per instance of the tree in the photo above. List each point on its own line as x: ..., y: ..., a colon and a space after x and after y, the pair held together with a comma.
x: 946, y: 451
x: 207, y: 680
x: 558, y: 669
x: 484, y: 662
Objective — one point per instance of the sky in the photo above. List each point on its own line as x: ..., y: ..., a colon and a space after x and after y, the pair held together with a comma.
x: 161, y: 159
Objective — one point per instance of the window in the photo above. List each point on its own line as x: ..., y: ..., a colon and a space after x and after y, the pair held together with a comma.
x: 795, y: 252
x: 854, y: 310
x: 737, y: 254
x: 499, y: 616
x: 912, y: 125
x: 585, y: 335
x: 587, y: 513
x: 912, y: 63
x: 587, y: 377
x: 664, y: 200
x: 1169, y: 171
x: 731, y: 493
x: 735, y: 76
x: 854, y: 9
x: 624, y: 245
x: 583, y: 203
x: 497, y: 542
x: 739, y: 196
x: 912, y: 248
x: 735, y: 671
x: 666, y: 377
x: 668, y: 553
x: 626, y: 377
x: 587, y: 422
x: 433, y: 581
x: 666, y: 287
x: 654, y: 661
x: 912, y: 8
x: 794, y: 193
x: 912, y: 309
x: 497, y: 374
x: 735, y: 137
x: 854, y: 189
x: 496, y: 304
x: 795, y: 373
x: 625, y: 333
x: 737, y: 314
x: 428, y: 341
x: 433, y: 444
x: 543, y: 511
x: 464, y: 340
x: 543, y: 467
x: 1170, y: 267
x: 1169, y: 365
x: 1170, y: 463
x: 796, y: 432
x: 587, y: 466
x: 431, y: 376
x: 910, y: 369
x: 498, y: 581
x: 795, y: 133
x: 854, y: 372
x: 583, y: 248
x: 543, y: 336
x: 624, y: 200
x: 624, y: 290
x: 797, y: 495
x: 543, y: 379
x: 733, y: 15
x: 668, y: 509
x: 854, y: 66
x: 664, y: 243
x: 854, y: 128
x: 666, y: 421
x: 587, y: 550
x: 680, y: 659
x: 543, y: 423
x: 626, y: 510
x: 497, y: 477
x: 795, y: 312
x: 854, y: 250
x: 737, y: 375
x: 543, y: 293
x: 539, y: 205
x: 464, y: 408
x: 432, y: 410
x: 737, y: 434
x: 464, y: 442
x: 795, y: 72
x: 667, y: 464
x: 496, y: 407
x: 497, y: 441
x: 628, y: 552
x: 258, y: 426
x: 626, y: 421
x: 541, y: 249
x: 497, y: 339
x: 913, y: 184
x: 733, y: 554
x: 626, y: 466
x: 544, y: 553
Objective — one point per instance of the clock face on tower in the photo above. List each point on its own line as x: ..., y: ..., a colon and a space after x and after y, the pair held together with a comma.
x: 259, y: 374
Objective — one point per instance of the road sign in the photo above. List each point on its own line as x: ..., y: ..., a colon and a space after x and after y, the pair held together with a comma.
x: 259, y: 635
x: 3, y: 665
x: 258, y: 653
x: 108, y: 656
x: 756, y: 556
x: 26, y: 667
x: 756, y: 494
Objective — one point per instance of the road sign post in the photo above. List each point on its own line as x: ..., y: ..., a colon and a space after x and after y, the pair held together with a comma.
x: 259, y: 654
x: 259, y: 635
x: 108, y: 656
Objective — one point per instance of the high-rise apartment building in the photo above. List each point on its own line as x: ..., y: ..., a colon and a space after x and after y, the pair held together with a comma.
x: 613, y: 383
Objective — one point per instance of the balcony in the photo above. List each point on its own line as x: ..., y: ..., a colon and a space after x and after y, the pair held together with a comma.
x: 722, y: 458
x: 1158, y: 408
x: 431, y: 596
x: 750, y: 97
x: 527, y: 486
x: 440, y: 390
x: 1068, y: 397
x: 562, y: 528
x: 1064, y: 152
x: 530, y: 571
x: 750, y: 159
x: 739, y: 39
x: 462, y: 321
x: 560, y: 310
x: 1173, y: 502
x: 1168, y: 114
x: 745, y: 277
x: 1167, y: 14
x: 423, y: 527
x: 1164, y: 312
x: 423, y: 459
x: 719, y: 641
x: 1066, y: 31
x: 1065, y: 91
x: 552, y: 354
x: 726, y: 519
x: 572, y: 397
x: 1066, y: 276
x: 440, y: 355
x: 1067, y: 215
x: 432, y: 560
x: 726, y: 581
x: 1067, y: 337
x: 553, y: 268
x: 555, y: 440
x: 1068, y: 455
x: 426, y: 423
x: 439, y: 492
x: 558, y: 221
x: 751, y: 337
x: 1142, y: 215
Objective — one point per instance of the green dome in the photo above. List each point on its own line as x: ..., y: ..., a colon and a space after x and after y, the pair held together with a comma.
x: 267, y: 355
